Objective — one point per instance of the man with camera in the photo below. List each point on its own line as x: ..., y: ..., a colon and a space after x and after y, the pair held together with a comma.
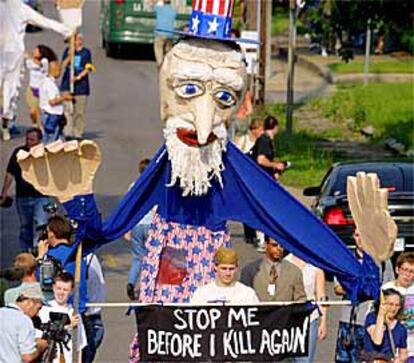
x: 17, y: 338
x: 55, y: 250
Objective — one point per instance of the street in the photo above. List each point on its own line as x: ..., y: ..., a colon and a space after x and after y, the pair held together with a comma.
x: 123, y: 118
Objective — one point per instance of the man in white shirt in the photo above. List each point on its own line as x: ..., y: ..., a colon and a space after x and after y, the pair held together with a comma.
x: 17, y: 339
x: 225, y: 288
x: 62, y: 289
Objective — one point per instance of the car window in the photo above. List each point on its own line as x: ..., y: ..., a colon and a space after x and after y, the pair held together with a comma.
x: 398, y: 178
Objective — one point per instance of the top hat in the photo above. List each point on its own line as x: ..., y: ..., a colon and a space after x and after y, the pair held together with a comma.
x: 212, y: 19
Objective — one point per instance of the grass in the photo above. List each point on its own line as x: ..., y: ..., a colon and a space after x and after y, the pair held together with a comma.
x: 309, y: 162
x: 377, y: 67
x: 280, y: 23
x: 388, y: 107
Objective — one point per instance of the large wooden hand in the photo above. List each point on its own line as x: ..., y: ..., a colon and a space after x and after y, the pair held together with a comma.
x: 62, y: 170
x: 369, y: 207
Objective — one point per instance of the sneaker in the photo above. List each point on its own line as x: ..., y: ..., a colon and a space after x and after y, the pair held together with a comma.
x: 6, y: 134
x: 130, y: 290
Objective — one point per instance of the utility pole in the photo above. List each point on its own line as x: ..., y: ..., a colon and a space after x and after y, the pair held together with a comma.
x: 291, y: 67
x: 263, y: 51
x: 251, y: 13
x: 367, y: 51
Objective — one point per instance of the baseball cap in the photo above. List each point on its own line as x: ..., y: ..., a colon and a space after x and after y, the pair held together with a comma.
x: 34, y: 292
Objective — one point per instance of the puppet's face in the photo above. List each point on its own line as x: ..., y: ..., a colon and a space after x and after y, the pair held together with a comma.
x: 201, y: 86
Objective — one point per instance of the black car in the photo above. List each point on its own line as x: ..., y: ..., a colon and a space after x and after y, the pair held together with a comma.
x: 331, y: 202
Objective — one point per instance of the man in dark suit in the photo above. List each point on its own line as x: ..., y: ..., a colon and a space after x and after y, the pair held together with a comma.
x: 273, y: 278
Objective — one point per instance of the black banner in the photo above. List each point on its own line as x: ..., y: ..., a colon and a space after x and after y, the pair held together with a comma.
x: 222, y: 333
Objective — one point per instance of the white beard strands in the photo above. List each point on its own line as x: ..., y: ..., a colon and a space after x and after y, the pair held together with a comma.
x: 195, y: 167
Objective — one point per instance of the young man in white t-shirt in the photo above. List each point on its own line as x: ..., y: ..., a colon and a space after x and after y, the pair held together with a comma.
x: 62, y: 289
x: 51, y: 104
x: 225, y: 288
x: 404, y: 284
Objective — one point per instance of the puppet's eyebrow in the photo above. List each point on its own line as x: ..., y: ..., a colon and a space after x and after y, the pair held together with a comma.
x: 196, y: 71
x: 228, y: 77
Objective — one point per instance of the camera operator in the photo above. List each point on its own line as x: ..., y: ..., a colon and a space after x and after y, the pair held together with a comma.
x: 17, y: 338
x: 62, y: 289
x: 24, y: 263
x: 58, y: 247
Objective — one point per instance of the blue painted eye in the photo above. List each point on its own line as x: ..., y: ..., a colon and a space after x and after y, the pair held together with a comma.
x: 188, y: 90
x: 225, y: 98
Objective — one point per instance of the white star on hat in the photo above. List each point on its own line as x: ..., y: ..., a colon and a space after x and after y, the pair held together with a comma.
x: 194, y: 24
x: 212, y: 26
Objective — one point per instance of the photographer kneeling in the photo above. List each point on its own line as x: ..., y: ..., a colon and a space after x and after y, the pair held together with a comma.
x: 17, y: 338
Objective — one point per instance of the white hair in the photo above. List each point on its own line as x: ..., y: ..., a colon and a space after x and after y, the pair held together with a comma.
x: 195, y: 167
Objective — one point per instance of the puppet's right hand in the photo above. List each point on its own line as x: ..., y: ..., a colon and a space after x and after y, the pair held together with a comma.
x: 61, y: 170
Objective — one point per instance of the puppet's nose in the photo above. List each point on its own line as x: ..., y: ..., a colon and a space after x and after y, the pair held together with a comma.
x: 205, y: 111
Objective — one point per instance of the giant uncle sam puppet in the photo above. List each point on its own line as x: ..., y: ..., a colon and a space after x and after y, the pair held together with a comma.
x: 198, y: 179
x: 14, y: 16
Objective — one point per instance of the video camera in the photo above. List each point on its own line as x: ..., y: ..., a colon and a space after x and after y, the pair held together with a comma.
x: 49, y: 267
x: 55, y: 333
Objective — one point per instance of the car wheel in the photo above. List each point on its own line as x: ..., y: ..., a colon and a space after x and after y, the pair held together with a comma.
x: 112, y: 49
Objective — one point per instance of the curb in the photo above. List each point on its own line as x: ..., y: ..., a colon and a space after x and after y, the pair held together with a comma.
x: 331, y: 78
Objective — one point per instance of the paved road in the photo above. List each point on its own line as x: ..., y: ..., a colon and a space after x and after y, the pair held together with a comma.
x: 123, y: 117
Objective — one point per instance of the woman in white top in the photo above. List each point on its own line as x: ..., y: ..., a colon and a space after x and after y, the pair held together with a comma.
x: 314, y: 282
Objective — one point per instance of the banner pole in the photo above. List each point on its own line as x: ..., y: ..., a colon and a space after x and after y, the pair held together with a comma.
x: 78, y: 269
x: 274, y: 303
x: 72, y: 64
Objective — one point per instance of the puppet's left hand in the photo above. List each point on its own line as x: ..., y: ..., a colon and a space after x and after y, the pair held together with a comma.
x: 61, y: 170
x: 369, y: 207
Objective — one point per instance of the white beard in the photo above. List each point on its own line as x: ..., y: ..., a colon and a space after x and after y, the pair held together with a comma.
x: 195, y: 167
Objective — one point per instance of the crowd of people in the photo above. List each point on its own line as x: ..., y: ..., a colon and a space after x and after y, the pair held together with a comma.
x: 366, y: 332
x: 58, y: 110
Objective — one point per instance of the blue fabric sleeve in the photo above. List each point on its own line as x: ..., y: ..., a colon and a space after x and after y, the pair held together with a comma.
x: 371, y: 319
x: 400, y: 336
x: 253, y: 197
x: 146, y: 192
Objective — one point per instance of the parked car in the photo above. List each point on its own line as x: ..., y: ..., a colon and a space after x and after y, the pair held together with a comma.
x: 331, y: 202
x: 133, y: 22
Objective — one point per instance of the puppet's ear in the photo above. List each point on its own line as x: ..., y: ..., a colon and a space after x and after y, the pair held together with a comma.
x: 368, y: 203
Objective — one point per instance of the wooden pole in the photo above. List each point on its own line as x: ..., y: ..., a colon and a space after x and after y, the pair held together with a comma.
x: 72, y: 63
x: 367, y: 51
x: 265, y: 303
x: 291, y: 67
x: 251, y: 13
x: 76, y: 300
x: 262, y: 54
